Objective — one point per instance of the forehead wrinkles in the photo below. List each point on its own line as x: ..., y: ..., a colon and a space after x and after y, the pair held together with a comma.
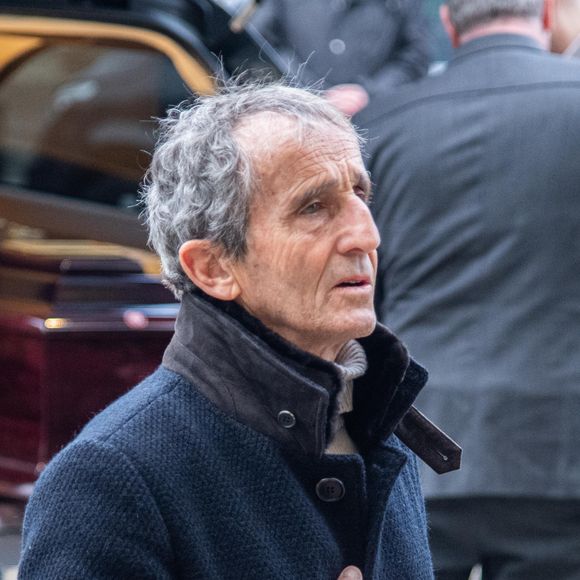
x: 323, y: 152
x: 325, y: 161
x: 284, y: 159
x: 275, y: 142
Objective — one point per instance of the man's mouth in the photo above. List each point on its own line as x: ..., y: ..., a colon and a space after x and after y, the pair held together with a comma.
x: 354, y: 282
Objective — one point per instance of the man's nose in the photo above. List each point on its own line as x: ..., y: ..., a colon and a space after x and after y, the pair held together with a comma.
x: 358, y: 230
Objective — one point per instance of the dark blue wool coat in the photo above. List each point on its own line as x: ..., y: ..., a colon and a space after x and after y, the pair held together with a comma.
x: 172, y: 482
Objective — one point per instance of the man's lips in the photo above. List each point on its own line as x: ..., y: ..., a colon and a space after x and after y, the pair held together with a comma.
x: 354, y: 282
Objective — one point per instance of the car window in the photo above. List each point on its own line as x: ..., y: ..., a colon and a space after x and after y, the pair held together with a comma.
x: 76, y: 115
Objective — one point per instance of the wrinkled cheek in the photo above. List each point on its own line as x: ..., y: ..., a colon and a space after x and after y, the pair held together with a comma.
x: 284, y: 257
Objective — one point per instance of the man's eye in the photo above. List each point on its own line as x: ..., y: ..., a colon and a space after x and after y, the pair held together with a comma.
x: 363, y: 194
x: 312, y: 208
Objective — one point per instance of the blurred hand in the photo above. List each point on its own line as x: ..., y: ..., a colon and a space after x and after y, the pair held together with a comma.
x: 350, y: 99
x: 351, y: 573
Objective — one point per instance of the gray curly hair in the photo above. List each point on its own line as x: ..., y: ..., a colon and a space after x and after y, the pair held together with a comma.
x: 200, y: 181
x: 466, y: 14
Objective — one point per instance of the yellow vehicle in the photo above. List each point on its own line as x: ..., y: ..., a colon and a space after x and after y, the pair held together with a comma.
x: 80, y: 85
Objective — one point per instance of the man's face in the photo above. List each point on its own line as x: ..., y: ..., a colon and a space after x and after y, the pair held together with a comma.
x: 310, y: 268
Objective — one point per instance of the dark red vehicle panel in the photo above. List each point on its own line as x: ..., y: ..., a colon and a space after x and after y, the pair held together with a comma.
x: 85, y: 330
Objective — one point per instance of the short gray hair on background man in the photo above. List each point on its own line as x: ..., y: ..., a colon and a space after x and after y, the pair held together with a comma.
x: 200, y: 181
x: 466, y: 14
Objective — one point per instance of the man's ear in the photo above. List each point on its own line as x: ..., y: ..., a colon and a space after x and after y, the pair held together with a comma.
x: 206, y: 266
x: 448, y: 25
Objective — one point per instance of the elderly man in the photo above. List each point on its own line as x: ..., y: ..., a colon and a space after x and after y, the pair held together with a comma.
x: 264, y: 446
x: 478, y: 205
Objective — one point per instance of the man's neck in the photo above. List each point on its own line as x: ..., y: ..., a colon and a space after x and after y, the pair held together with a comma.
x: 530, y: 27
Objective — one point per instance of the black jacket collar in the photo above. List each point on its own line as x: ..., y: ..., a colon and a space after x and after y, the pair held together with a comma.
x: 253, y: 374
x: 493, y: 42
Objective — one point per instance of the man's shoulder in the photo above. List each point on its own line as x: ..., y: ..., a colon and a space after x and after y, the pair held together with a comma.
x: 142, y: 404
x: 161, y: 419
x: 533, y: 76
x: 155, y: 423
x: 486, y: 73
x: 163, y: 409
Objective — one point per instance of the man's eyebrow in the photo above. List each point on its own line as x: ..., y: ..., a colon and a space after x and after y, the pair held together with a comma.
x: 310, y: 195
x: 361, y: 179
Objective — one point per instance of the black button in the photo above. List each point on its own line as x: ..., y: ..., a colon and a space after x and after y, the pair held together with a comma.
x: 330, y: 489
x: 286, y: 419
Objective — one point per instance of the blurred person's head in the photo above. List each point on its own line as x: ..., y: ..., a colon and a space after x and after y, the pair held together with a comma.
x: 565, y: 25
x: 467, y: 19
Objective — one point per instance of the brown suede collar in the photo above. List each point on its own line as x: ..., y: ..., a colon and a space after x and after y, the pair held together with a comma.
x: 253, y: 374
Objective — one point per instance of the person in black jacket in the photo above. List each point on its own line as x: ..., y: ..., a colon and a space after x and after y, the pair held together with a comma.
x: 477, y: 200
x: 361, y: 49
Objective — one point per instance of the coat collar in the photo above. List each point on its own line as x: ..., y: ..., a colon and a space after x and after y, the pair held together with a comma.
x: 493, y: 42
x: 253, y: 374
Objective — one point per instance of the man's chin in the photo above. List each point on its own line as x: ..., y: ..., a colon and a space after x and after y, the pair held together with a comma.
x: 364, y: 326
